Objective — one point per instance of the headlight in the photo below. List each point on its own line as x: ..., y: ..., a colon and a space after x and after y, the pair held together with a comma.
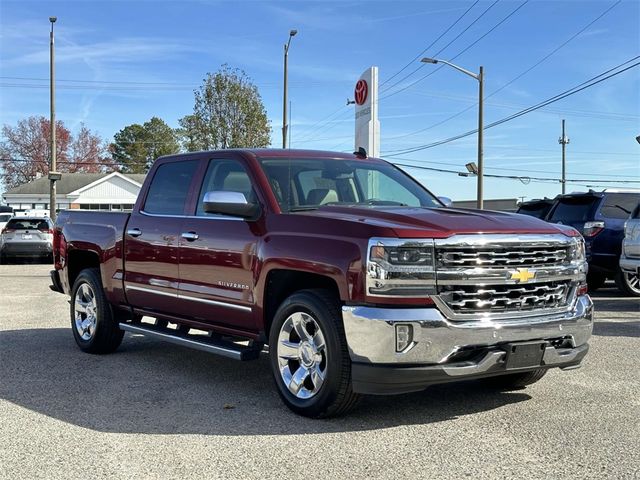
x: 402, y: 268
x: 577, y: 252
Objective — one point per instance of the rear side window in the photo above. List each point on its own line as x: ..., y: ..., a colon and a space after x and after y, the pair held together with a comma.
x: 619, y: 205
x: 5, y: 218
x: 574, y: 209
x: 170, y: 188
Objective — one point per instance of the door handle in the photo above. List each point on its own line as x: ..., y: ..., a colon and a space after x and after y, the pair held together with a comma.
x: 190, y: 236
x: 134, y: 232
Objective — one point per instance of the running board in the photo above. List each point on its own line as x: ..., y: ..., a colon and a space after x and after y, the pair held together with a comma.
x: 226, y: 349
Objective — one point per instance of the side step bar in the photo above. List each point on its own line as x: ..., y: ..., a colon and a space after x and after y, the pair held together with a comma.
x: 226, y: 349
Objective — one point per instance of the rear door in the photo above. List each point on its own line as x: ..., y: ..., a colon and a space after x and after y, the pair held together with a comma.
x: 152, y: 239
x: 217, y: 253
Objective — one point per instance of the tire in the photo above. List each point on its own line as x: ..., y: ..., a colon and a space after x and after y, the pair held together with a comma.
x: 94, y: 325
x: 595, y: 281
x: 317, y: 366
x: 516, y: 381
x: 628, y: 283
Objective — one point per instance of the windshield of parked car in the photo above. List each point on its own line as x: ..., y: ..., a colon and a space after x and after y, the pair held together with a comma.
x: 310, y: 183
x: 573, y: 209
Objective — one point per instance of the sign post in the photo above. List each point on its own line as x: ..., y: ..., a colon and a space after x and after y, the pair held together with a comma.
x: 366, y: 112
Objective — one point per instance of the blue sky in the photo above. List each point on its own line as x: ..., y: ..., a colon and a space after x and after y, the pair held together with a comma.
x: 122, y: 62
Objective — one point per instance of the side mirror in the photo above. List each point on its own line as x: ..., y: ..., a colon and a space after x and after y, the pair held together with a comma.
x: 230, y: 203
x: 446, y: 200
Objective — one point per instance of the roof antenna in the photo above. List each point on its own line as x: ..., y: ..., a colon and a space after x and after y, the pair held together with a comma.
x: 361, y: 152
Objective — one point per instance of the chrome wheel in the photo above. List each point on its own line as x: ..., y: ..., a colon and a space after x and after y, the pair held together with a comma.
x: 85, y: 311
x: 633, y: 281
x: 302, y: 355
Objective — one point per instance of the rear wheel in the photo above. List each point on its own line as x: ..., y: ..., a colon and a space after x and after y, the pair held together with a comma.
x: 94, y: 325
x: 309, y: 357
x: 628, y: 283
x: 513, y: 381
x: 595, y: 281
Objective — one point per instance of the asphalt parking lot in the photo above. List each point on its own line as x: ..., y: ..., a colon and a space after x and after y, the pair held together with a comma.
x: 154, y: 410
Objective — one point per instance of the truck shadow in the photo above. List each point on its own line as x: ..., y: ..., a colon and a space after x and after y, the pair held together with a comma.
x: 152, y: 387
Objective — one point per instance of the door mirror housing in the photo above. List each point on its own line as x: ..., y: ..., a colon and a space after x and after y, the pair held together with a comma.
x: 446, y: 200
x: 230, y: 203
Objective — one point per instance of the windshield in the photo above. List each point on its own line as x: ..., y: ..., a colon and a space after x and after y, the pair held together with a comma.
x: 307, y: 184
x: 573, y: 209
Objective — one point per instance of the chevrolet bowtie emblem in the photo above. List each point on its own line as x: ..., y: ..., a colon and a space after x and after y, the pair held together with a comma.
x: 523, y: 275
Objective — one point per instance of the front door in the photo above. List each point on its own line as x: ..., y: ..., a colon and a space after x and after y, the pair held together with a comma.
x: 152, y: 240
x: 218, y: 253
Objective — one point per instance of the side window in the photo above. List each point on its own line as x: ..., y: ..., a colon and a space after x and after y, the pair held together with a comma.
x: 170, y: 188
x: 619, y: 205
x: 228, y: 176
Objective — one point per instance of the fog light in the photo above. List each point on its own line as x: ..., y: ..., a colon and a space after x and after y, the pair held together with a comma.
x: 404, y: 337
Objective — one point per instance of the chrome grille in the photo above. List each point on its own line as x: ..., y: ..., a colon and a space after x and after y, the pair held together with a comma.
x: 502, y: 256
x: 506, y: 298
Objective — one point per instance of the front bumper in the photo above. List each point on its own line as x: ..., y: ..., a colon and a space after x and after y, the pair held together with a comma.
x: 443, y: 350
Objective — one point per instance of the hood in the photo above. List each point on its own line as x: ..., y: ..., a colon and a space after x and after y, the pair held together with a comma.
x: 416, y: 222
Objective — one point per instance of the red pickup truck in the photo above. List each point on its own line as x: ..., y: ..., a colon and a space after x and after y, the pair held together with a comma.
x: 358, y: 279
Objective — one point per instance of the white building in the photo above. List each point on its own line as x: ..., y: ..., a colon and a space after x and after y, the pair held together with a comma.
x: 87, y: 191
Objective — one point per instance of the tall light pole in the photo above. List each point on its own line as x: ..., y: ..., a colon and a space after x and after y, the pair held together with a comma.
x: 52, y: 166
x: 292, y: 33
x: 480, y: 78
x: 563, y: 140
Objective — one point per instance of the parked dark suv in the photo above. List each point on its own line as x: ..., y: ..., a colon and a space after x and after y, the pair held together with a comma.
x: 600, y: 217
x: 538, y: 208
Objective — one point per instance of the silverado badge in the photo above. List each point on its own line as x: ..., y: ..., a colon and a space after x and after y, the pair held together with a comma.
x: 523, y: 275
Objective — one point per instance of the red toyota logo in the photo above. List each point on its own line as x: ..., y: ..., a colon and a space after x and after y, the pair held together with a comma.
x: 361, y: 92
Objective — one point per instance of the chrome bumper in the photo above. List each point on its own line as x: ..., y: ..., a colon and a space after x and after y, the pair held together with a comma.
x: 371, y: 337
x: 630, y: 265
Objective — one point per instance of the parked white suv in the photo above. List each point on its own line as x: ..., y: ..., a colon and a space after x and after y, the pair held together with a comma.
x: 630, y: 257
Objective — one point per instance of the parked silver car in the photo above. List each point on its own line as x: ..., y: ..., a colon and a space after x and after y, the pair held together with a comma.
x: 630, y: 257
x: 27, y: 237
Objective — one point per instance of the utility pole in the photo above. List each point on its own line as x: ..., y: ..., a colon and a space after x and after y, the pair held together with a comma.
x: 53, y: 176
x: 563, y: 140
x: 292, y: 33
x: 480, y: 200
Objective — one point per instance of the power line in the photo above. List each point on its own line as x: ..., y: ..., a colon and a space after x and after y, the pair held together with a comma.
x: 523, y: 179
x: 543, y: 59
x: 567, y: 93
x: 513, y: 12
x: 434, y: 42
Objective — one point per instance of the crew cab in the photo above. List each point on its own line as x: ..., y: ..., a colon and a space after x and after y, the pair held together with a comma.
x: 358, y: 279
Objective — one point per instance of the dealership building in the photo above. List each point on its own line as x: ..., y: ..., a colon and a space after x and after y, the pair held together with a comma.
x: 88, y: 191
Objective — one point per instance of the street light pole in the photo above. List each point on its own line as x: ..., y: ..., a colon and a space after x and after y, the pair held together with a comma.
x: 292, y: 33
x: 480, y: 78
x: 52, y: 127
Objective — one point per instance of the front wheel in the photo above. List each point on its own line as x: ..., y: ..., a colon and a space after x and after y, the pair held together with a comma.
x: 94, y: 325
x: 309, y: 357
x: 628, y: 283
